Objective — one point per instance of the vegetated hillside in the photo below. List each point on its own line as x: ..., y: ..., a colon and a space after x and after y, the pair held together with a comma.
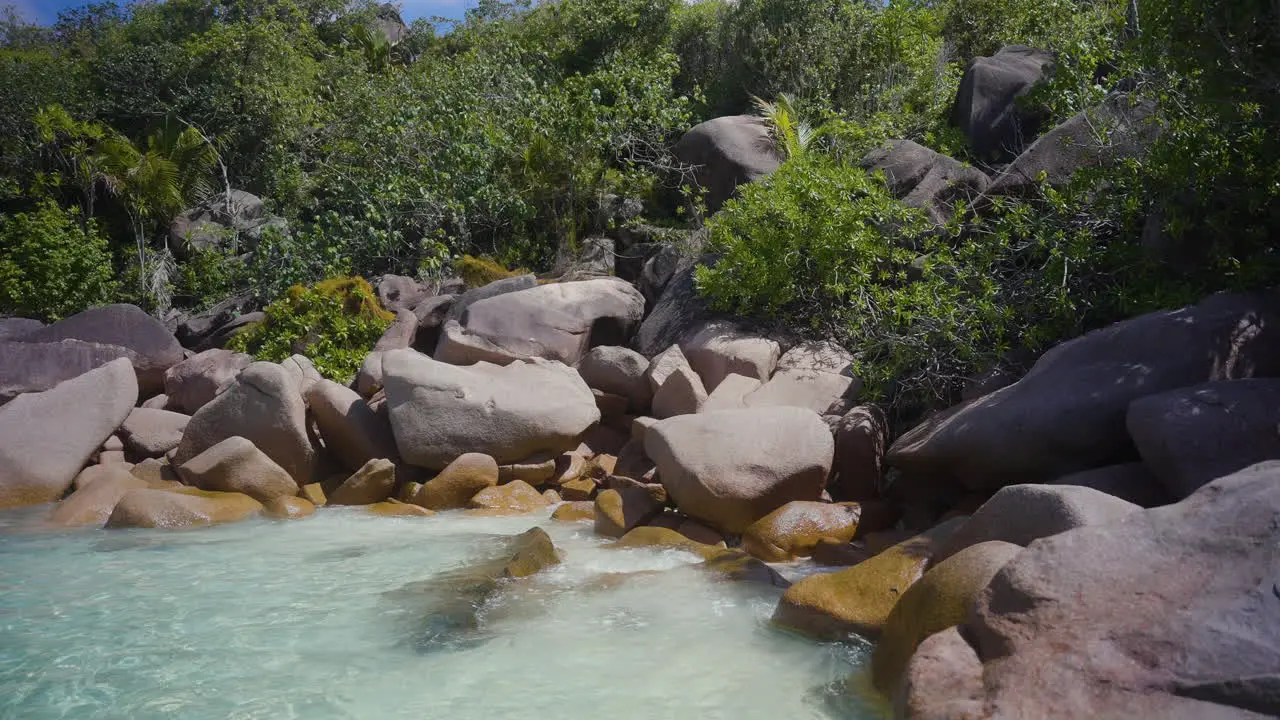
x: 137, y: 140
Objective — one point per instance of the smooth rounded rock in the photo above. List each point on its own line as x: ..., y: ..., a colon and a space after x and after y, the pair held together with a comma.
x: 236, y: 465
x: 454, y: 487
x: 190, y: 508
x: 617, y: 512
x: 92, y: 504
x: 514, y: 498
x: 349, y: 427
x: 288, y: 508
x: 794, y: 529
x: 372, y: 483
x: 196, y: 381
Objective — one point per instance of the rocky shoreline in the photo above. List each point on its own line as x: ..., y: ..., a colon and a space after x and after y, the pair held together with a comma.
x: 1095, y: 539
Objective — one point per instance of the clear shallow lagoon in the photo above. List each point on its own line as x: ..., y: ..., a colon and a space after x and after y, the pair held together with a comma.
x: 302, y: 620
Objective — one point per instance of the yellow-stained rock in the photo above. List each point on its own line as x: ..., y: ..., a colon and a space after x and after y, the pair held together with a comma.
x: 552, y: 497
x: 156, y: 473
x: 514, y: 498
x: 738, y: 566
x: 531, y: 552
x: 395, y: 508
x: 942, y: 598
x: 92, y: 504
x: 372, y: 483
x: 859, y: 599
x: 652, y: 536
x: 458, y: 483
x: 688, y: 527
x: 794, y: 529
x: 620, y: 511
x: 185, y: 508
x: 288, y: 508
x: 534, y: 472
x: 314, y: 493
x: 408, y: 491
x: 575, y: 511
x: 578, y: 489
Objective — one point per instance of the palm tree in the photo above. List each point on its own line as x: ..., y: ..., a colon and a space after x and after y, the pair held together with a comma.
x: 792, y: 135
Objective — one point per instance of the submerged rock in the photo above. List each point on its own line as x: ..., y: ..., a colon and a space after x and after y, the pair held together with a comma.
x: 92, y: 504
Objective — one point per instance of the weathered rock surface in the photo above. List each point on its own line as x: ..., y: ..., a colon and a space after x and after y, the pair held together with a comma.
x: 47, y: 437
x: 172, y: 510
x: 718, y: 351
x: 27, y: 367
x: 514, y: 498
x: 986, y: 109
x: 288, y: 508
x: 558, y: 321
x: 454, y: 487
x: 92, y: 504
x: 493, y: 289
x: 619, y: 371
x: 861, y: 438
x: 235, y: 465
x: 153, y: 348
x: 350, y: 428
x: 1128, y: 481
x: 262, y: 406
x: 372, y: 483
x: 1121, y: 127
x: 822, y: 392
x: 794, y: 529
x: 617, y: 512
x: 575, y: 511
x: 734, y: 467
x: 1168, y: 612
x: 943, y: 598
x: 1020, y: 514
x: 943, y: 680
x: 1193, y: 436
x: 440, y: 411
x: 681, y: 393
x: 859, y: 599
x: 196, y: 381
x: 726, y: 152
x: 152, y: 433
x: 398, y: 292
x: 1068, y: 413
x: 731, y: 393
x: 924, y: 179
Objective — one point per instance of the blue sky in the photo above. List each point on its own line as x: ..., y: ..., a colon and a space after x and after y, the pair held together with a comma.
x: 45, y: 11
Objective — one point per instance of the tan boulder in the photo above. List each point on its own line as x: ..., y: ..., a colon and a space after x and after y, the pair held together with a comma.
x: 373, y: 483
x: 943, y: 680
x: 155, y: 472
x: 92, y: 504
x: 681, y: 394
x: 46, y: 438
x: 97, y: 472
x: 583, y: 488
x: 408, y: 491
x: 717, y: 352
x: 822, y: 392
x: 171, y: 510
x: 288, y: 508
x: 731, y: 393
x: 687, y: 527
x: 654, y: 536
x: 152, y: 433
x: 552, y: 497
x: 738, y: 566
x: 264, y: 407
x: 314, y: 493
x: 531, y: 552
x: 858, y: 600
x: 618, y: 371
x: 944, y: 597
x: 196, y: 381
x: 235, y: 465
x: 575, y: 511
x: 617, y: 512
x: 302, y: 371
x: 350, y: 428
x: 534, y: 472
x: 395, y: 508
x: 440, y: 411
x: 514, y: 498
x: 794, y: 529
x: 733, y: 467
x: 454, y: 487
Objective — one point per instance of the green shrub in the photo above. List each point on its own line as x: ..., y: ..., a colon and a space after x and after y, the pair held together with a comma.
x: 50, y: 265
x: 824, y: 247
x: 335, y: 323
x: 209, y: 276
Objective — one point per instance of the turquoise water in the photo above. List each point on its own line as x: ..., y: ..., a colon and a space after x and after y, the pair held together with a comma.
x: 313, y: 619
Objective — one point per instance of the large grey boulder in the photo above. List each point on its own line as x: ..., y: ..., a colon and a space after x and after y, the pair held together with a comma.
x: 441, y: 411
x: 1193, y: 436
x: 1123, y: 126
x: 149, y: 433
x: 196, y: 381
x: 559, y: 321
x: 265, y: 407
x: 226, y: 221
x: 986, y: 109
x: 1020, y: 514
x: 720, y: 349
x: 46, y: 438
x: 924, y: 179
x: 1170, y: 612
x: 1128, y: 481
x: 619, y: 371
x: 350, y: 428
x: 399, y: 292
x: 36, y: 367
x: 492, y: 290
x: 153, y: 348
x: 12, y: 327
x: 727, y: 152
x: 733, y: 467
x: 1068, y: 413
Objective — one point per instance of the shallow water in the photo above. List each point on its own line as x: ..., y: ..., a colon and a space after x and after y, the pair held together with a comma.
x: 324, y: 618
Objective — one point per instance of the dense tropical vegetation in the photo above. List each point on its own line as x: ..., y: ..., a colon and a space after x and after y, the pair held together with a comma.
x: 497, y: 139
